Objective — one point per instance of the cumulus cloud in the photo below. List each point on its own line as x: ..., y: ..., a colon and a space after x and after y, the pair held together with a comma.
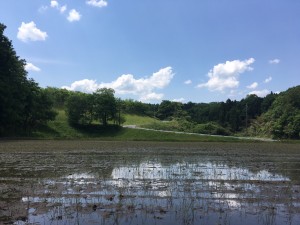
x: 144, y: 88
x: 268, y: 79
x: 260, y: 93
x: 31, y: 67
x: 74, y: 15
x: 151, y: 96
x: 188, y: 82
x: 253, y: 85
x: 274, y: 61
x: 84, y: 85
x: 97, y: 3
x: 29, y: 32
x: 178, y: 100
x: 63, y: 8
x: 225, y: 75
x: 54, y: 4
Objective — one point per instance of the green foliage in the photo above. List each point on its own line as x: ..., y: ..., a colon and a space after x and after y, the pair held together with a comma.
x: 79, y: 108
x: 58, y: 96
x: 285, y: 114
x: 105, y: 105
x: 102, y: 106
x: 189, y: 127
x: 12, y: 90
x: 38, y: 107
x: 23, y: 105
x: 61, y: 129
x: 282, y: 120
x: 254, y: 105
x: 130, y: 106
x: 168, y: 110
x: 234, y: 115
x: 210, y: 128
x: 267, y: 102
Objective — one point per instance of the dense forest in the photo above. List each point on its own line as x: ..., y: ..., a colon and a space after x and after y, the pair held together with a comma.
x: 23, y: 104
x: 24, y: 107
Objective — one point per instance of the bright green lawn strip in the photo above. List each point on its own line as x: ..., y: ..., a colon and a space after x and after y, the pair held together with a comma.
x: 138, y: 120
x: 148, y: 135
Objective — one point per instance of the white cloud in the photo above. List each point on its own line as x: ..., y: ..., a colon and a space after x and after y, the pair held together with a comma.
x: 29, y: 32
x: 42, y: 9
x: 225, y: 75
x: 253, y: 85
x: 268, y: 79
x: 178, y: 100
x: 74, y: 15
x: 97, y: 3
x: 151, y: 96
x: 144, y: 88
x: 83, y: 86
x: 54, y: 4
x: 31, y: 67
x: 188, y: 82
x: 274, y: 61
x: 63, y: 8
x: 261, y: 93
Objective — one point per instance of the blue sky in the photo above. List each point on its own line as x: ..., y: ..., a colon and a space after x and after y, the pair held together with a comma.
x: 153, y: 50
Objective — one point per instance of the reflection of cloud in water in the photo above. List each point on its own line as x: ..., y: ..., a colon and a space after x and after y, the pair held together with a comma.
x: 179, y: 190
x: 208, y: 171
x: 216, y: 176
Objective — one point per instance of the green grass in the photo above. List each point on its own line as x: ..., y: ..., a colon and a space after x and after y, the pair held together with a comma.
x: 148, y: 135
x: 138, y: 120
x: 60, y: 129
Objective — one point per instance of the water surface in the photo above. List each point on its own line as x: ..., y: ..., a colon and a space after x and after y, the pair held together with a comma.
x: 150, y: 183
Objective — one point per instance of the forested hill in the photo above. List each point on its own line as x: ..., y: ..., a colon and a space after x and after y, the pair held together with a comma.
x: 25, y: 107
x: 282, y: 120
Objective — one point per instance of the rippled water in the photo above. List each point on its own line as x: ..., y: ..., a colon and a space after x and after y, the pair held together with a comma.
x: 171, y: 185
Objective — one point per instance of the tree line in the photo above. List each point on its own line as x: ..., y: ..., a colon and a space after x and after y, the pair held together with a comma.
x: 233, y: 115
x: 24, y: 106
x: 276, y: 115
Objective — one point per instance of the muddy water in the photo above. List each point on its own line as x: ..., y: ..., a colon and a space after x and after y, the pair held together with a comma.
x: 148, y: 183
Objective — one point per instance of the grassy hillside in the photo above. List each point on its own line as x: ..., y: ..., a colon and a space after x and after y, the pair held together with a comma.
x: 60, y: 129
x: 139, y: 120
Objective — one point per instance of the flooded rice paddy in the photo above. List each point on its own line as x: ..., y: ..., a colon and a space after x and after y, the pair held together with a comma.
x: 90, y: 182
